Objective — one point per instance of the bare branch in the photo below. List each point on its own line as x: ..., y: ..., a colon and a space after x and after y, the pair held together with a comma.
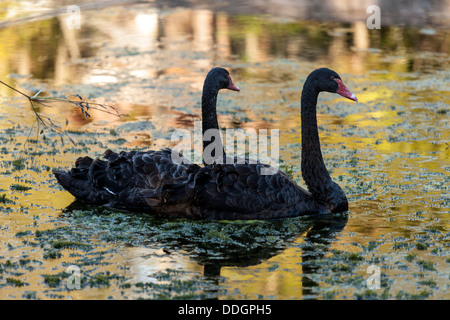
x: 48, y: 124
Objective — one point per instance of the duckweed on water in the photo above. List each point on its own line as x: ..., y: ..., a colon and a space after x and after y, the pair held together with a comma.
x: 18, y: 164
x: 30, y: 295
x: 389, y: 153
x: 410, y: 257
x: 15, y: 282
x: 224, y: 241
x: 52, y: 280
x: 402, y: 295
x: 62, y: 244
x: 138, y: 229
x: 426, y: 265
x: 173, y: 288
x: 4, y: 199
x: 102, y: 279
x: 19, y: 187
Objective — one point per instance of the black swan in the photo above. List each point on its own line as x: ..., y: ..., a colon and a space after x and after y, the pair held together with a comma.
x: 120, y: 180
x: 240, y: 191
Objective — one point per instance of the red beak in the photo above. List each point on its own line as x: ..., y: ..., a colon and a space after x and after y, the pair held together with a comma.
x: 232, y: 86
x: 343, y: 91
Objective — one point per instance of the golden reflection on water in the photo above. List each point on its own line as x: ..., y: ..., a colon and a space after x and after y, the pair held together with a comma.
x: 49, y: 50
x: 280, y: 277
x: 151, y: 64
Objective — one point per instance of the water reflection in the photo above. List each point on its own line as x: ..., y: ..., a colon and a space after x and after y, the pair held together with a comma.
x: 389, y: 152
x: 299, y: 266
x: 44, y: 49
x: 280, y: 258
x: 140, y: 55
x: 249, y: 261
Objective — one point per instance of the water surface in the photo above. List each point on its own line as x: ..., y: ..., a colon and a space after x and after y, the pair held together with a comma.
x: 389, y: 152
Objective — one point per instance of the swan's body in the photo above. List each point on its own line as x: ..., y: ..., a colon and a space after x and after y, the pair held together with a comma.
x: 151, y: 181
x: 118, y: 181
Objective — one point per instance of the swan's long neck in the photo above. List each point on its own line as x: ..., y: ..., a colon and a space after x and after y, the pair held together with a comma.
x: 314, y: 172
x: 209, y: 114
x: 324, y: 190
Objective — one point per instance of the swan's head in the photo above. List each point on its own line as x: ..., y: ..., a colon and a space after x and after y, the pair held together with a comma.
x: 327, y: 80
x: 221, y: 78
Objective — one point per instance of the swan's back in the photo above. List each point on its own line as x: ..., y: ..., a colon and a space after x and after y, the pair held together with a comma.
x: 118, y: 181
x: 151, y: 182
x: 232, y: 191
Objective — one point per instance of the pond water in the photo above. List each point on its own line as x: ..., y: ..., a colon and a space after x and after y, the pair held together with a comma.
x: 389, y: 153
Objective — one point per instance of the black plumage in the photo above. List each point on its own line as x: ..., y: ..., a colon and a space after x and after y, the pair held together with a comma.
x: 151, y: 181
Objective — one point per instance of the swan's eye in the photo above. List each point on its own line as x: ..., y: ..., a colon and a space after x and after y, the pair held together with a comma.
x: 332, y: 78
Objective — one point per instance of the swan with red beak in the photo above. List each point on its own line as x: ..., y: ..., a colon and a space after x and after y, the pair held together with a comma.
x: 344, y: 91
x: 232, y: 86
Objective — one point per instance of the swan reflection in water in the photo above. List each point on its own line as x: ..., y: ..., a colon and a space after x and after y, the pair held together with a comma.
x: 214, y: 253
x: 207, y: 251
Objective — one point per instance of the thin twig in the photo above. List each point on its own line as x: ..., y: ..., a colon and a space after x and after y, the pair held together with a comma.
x: 48, y: 123
x: 15, y: 89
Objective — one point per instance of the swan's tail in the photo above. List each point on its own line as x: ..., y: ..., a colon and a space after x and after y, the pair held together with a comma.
x: 78, y: 188
x: 80, y: 181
